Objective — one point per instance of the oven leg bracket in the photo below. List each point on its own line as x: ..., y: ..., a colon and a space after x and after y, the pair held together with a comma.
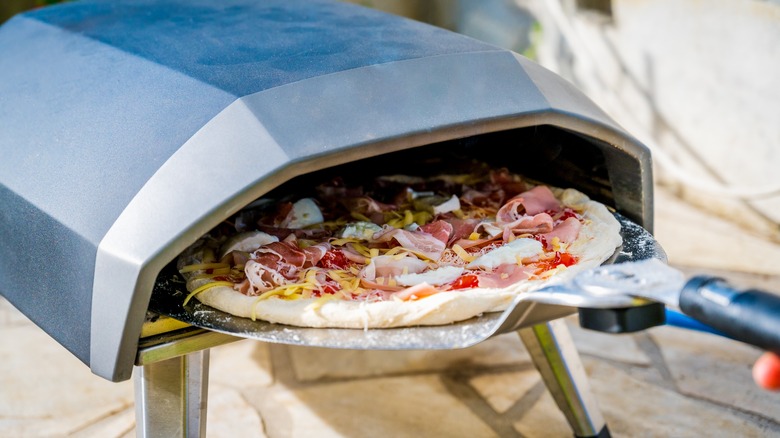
x: 171, y: 396
x: 555, y: 356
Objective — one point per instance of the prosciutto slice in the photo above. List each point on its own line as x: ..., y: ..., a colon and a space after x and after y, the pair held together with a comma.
x: 418, y: 241
x: 272, y: 265
x: 540, y: 223
x: 504, y: 275
x: 537, y: 200
x: 390, y: 266
x: 567, y: 231
x: 439, y: 229
x: 315, y: 253
x: 461, y: 228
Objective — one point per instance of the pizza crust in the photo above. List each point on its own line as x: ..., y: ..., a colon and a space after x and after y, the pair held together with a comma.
x: 597, y: 240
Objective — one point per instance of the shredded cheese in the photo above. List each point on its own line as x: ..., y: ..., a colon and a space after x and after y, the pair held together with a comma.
x: 317, y: 303
x: 206, y: 286
x: 343, y: 241
x: 462, y: 253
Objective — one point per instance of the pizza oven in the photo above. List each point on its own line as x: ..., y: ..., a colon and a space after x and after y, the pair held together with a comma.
x: 130, y: 128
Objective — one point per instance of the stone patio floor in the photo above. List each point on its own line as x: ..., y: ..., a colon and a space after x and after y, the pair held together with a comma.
x: 662, y: 382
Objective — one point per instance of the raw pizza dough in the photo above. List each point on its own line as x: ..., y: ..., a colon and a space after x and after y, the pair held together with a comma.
x: 596, y: 241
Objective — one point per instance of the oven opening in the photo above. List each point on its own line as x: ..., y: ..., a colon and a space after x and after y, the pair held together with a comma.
x: 544, y: 153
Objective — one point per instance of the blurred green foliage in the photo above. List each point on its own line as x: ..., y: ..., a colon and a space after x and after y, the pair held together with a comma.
x: 9, y: 8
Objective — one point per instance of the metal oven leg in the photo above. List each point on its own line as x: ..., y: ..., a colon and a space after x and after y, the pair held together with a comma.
x: 555, y: 356
x: 171, y: 396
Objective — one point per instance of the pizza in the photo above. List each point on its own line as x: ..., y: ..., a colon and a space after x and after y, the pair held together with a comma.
x: 397, y: 250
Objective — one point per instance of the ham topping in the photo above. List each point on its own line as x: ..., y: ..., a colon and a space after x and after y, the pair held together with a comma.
x: 537, y: 200
x: 505, y: 275
x: 417, y: 241
x: 438, y: 229
x: 272, y: 265
x: 483, y: 243
x: 567, y: 231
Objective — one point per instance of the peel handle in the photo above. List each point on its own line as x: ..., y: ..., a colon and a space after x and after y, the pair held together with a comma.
x: 751, y: 316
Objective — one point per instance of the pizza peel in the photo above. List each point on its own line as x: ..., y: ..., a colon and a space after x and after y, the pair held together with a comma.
x: 635, y: 275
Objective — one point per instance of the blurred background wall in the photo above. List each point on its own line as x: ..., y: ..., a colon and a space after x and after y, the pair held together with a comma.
x: 695, y: 80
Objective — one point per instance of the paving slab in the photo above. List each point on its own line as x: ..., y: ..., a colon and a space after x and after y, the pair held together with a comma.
x: 242, y: 363
x: 230, y: 415
x: 504, y: 390
x: 715, y: 369
x: 543, y: 420
x: 634, y: 408
x: 319, y: 363
x: 116, y: 425
x: 48, y: 392
x: 408, y: 406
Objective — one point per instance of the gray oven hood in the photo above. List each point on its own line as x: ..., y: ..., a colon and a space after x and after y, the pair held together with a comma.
x: 130, y: 128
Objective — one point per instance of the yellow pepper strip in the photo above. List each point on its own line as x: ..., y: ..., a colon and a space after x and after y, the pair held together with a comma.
x: 422, y: 217
x: 408, y: 218
x: 395, y: 223
x: 474, y: 236
x: 203, y: 267
x: 359, y: 216
x: 204, y: 287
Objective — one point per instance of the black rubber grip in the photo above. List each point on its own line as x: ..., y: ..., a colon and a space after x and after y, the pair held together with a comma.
x: 751, y: 316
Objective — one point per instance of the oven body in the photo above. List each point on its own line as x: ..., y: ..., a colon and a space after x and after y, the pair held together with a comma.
x: 132, y: 128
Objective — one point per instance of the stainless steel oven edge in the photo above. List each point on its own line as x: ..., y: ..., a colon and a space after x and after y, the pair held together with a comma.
x: 269, y: 137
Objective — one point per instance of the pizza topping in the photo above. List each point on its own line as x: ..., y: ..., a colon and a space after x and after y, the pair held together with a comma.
x: 558, y: 260
x: 505, y: 275
x: 391, y: 266
x: 439, y: 229
x: 537, y: 200
x: 436, y: 277
x: 404, y: 238
x: 508, y: 253
x: 359, y: 230
x: 539, y: 223
x: 315, y: 253
x: 466, y: 281
x: 416, y: 292
x: 437, y: 204
x: 303, y: 213
x: 246, y: 242
x: 334, y: 259
x: 419, y: 242
x: 566, y: 231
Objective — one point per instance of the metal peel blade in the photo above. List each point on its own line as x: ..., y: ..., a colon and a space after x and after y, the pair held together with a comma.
x: 651, y: 279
